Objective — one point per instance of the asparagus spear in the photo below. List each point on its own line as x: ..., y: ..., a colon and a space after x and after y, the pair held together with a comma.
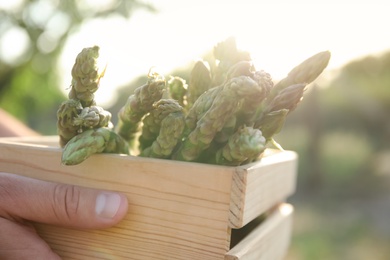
x: 243, y: 146
x: 66, y: 113
x: 200, y: 82
x: 86, y: 76
x: 152, y: 122
x: 288, y: 92
x: 79, y: 113
x: 92, y: 141
x: 272, y: 123
x: 305, y: 73
x: 178, y: 90
x: 93, y: 117
x: 227, y: 54
x: 225, y: 104
x: 171, y: 130
x: 138, y: 105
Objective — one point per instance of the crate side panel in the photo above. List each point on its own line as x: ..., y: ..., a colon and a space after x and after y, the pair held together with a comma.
x: 262, y: 185
x: 176, y: 210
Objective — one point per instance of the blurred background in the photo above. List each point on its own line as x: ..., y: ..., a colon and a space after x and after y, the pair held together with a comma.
x: 341, y: 129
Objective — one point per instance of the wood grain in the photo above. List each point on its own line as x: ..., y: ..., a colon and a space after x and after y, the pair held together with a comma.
x: 259, y: 186
x: 177, y: 210
x: 268, y: 241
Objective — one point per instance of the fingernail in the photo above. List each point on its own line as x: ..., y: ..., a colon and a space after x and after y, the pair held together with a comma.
x: 107, y: 204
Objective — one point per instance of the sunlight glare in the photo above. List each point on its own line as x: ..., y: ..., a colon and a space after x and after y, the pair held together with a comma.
x: 14, y: 45
x: 278, y: 36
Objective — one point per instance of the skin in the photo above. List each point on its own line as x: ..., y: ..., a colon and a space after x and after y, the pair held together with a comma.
x: 24, y: 201
x: 10, y: 126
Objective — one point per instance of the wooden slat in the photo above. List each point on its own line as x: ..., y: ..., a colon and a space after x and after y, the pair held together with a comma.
x: 270, y: 240
x: 258, y: 186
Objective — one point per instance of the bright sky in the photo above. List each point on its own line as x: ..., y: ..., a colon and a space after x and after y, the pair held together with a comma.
x: 278, y: 34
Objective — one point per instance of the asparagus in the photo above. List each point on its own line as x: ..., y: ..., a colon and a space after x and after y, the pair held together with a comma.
x: 288, y: 92
x: 200, y: 81
x: 245, y: 145
x: 232, y: 111
x: 79, y: 113
x: 93, y: 117
x: 305, y: 73
x: 227, y: 53
x: 178, y: 90
x: 66, y: 113
x: 138, y: 105
x: 152, y: 122
x: 272, y: 123
x: 92, y: 141
x: 86, y: 76
x: 171, y: 130
x: 226, y: 103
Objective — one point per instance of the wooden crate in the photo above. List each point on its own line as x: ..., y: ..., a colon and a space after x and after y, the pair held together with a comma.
x: 177, y: 210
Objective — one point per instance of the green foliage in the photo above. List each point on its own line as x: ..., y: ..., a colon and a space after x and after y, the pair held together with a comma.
x: 342, y: 124
x: 338, y: 131
x: 334, y: 233
x: 359, y: 98
x: 345, y: 156
x: 33, y: 98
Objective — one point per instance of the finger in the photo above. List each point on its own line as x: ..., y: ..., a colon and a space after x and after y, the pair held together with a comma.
x: 59, y: 204
x: 19, y: 242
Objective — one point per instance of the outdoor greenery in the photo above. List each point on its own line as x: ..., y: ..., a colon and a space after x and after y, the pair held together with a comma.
x: 341, y: 131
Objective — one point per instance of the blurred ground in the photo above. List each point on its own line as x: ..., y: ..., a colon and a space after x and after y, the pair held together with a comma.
x: 350, y: 224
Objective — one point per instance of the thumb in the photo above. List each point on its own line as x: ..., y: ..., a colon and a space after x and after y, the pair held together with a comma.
x: 59, y: 204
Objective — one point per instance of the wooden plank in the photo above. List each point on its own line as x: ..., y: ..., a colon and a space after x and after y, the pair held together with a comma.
x: 270, y: 240
x: 177, y: 210
x: 258, y: 186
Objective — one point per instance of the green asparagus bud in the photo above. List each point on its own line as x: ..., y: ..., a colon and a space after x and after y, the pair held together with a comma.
x: 171, y: 130
x: 252, y: 105
x: 287, y: 93
x: 228, y: 55
x: 200, y: 107
x: 100, y: 140
x: 246, y: 115
x: 138, y: 105
x: 152, y: 122
x: 66, y: 113
x: 227, y: 130
x: 265, y: 81
x: 93, y: 117
x: 304, y: 73
x: 200, y: 82
x: 178, y: 89
x: 246, y: 68
x: 287, y: 98
x: 86, y: 76
x: 242, y: 68
x: 272, y: 123
x: 245, y: 145
x: 225, y: 104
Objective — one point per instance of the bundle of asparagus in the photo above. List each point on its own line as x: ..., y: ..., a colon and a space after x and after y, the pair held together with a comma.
x: 83, y: 127
x: 226, y: 115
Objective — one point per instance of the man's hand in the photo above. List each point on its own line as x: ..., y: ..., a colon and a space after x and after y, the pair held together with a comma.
x: 23, y: 199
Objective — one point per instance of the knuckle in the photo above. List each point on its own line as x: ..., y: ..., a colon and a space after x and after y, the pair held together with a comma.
x: 66, y: 201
